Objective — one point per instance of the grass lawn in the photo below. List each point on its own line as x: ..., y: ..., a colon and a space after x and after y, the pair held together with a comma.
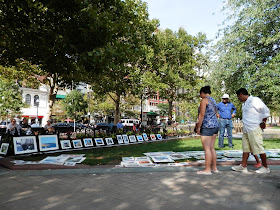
x: 113, y: 155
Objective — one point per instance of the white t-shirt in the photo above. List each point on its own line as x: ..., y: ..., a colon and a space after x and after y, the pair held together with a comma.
x: 253, y: 112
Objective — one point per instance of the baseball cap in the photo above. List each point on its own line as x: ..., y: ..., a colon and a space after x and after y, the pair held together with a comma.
x: 225, y: 96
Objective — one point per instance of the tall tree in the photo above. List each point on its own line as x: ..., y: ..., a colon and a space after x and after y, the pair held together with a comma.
x: 174, y: 61
x: 248, y: 53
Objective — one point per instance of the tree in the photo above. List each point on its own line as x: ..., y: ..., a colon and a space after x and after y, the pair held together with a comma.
x: 75, y: 105
x: 164, y: 109
x: 173, y: 61
x: 248, y: 53
x: 60, y: 36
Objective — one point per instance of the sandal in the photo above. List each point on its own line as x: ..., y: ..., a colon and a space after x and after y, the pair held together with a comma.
x: 258, y: 165
x: 204, y: 173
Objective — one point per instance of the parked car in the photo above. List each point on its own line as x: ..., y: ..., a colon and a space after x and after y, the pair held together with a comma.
x: 77, y: 125
x: 129, y: 122
x: 4, y: 124
x: 104, y: 126
x: 63, y: 127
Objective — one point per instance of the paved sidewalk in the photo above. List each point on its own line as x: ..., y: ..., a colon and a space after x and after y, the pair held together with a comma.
x: 139, y: 188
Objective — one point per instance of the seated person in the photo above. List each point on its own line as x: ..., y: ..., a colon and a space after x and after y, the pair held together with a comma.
x: 48, y: 128
x: 13, y: 128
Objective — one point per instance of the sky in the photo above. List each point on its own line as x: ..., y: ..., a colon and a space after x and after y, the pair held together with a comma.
x: 193, y: 15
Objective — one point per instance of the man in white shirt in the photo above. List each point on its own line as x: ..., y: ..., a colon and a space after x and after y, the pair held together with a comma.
x: 13, y: 128
x: 254, y: 116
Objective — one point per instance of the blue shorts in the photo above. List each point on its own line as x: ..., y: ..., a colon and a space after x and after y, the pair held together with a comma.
x: 209, y: 131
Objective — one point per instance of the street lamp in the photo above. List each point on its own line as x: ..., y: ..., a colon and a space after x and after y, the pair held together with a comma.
x: 37, y: 104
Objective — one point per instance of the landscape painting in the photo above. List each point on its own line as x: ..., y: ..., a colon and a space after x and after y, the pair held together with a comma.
x: 48, y: 142
x: 88, y: 142
x: 99, y: 141
x: 65, y: 144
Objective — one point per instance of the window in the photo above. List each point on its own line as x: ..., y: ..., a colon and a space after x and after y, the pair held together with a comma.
x: 28, y: 99
x: 36, y: 100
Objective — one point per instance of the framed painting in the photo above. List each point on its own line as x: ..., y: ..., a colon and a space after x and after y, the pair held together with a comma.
x: 25, y: 144
x: 145, y: 137
x: 125, y: 139
x: 132, y: 138
x: 65, y: 144
x: 120, y: 139
x: 159, y: 137
x: 139, y: 138
x: 77, y: 143
x: 48, y: 142
x: 153, y: 137
x: 109, y: 141
x: 88, y: 142
x: 99, y: 141
x: 4, y: 148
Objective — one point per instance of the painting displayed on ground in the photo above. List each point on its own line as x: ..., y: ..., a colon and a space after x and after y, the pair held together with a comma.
x: 48, y: 142
x: 88, y: 142
x: 77, y: 143
x: 65, y: 144
x: 99, y: 141
x: 153, y: 137
x: 120, y: 139
x: 4, y: 148
x: 145, y: 136
x: 139, y: 138
x: 25, y: 144
x: 159, y: 136
x: 125, y: 139
x: 109, y: 141
x: 132, y: 138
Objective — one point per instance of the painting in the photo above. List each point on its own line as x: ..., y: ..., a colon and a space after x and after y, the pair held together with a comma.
x: 139, y: 138
x: 99, y: 141
x: 162, y: 159
x: 125, y: 139
x: 77, y: 143
x: 153, y: 137
x: 25, y: 144
x: 120, y: 139
x: 109, y: 141
x: 4, y: 148
x: 65, y: 144
x: 159, y: 136
x: 132, y: 138
x: 48, y: 142
x: 145, y: 136
x: 88, y: 142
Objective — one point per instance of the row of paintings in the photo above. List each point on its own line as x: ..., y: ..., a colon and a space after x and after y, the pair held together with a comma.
x: 28, y: 144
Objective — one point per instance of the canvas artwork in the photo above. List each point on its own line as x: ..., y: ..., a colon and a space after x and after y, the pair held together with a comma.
x: 99, y: 141
x: 132, y: 138
x: 128, y: 158
x: 145, y: 136
x: 48, y: 142
x: 53, y: 160
x: 109, y: 141
x: 159, y: 136
x: 153, y: 137
x: 125, y: 139
x: 88, y: 142
x: 4, y: 148
x: 178, y: 156
x: 25, y: 144
x: 139, y: 138
x: 65, y: 144
x: 120, y: 139
x: 162, y: 159
x: 77, y: 143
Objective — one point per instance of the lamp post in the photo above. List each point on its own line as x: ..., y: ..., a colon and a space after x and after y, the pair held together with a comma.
x: 37, y: 104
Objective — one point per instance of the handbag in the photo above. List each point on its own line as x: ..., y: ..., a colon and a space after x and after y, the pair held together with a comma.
x: 197, y: 123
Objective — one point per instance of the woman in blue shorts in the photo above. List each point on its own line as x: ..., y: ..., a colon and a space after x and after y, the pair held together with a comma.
x: 208, y: 127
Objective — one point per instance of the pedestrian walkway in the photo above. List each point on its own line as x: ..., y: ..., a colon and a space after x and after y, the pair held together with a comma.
x: 139, y: 188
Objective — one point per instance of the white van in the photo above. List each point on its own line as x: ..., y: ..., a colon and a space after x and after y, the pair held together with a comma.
x: 129, y: 122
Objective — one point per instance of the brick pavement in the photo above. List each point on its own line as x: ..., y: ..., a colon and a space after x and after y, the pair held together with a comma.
x: 139, y: 188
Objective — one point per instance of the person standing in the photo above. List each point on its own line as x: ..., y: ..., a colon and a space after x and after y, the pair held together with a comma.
x: 208, y: 127
x: 254, y: 116
x: 120, y: 125
x: 226, y: 111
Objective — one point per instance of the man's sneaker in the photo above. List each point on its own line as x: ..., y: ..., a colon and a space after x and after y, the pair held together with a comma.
x: 239, y: 168
x: 263, y: 170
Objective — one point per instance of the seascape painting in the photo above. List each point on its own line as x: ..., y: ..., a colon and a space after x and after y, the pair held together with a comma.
x: 25, y: 144
x: 48, y: 142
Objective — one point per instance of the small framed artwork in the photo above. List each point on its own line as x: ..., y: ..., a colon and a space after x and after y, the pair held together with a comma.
x: 109, y: 141
x: 132, y: 138
x: 48, y: 142
x: 88, y: 142
x: 145, y: 137
x: 125, y: 139
x: 99, y: 141
x: 139, y: 138
x: 120, y: 139
x: 153, y: 137
x: 4, y: 148
x: 159, y: 137
x: 65, y: 144
x: 25, y: 144
x: 77, y: 143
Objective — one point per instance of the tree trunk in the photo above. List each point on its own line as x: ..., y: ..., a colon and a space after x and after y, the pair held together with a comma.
x: 117, y: 109
x: 170, y: 110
